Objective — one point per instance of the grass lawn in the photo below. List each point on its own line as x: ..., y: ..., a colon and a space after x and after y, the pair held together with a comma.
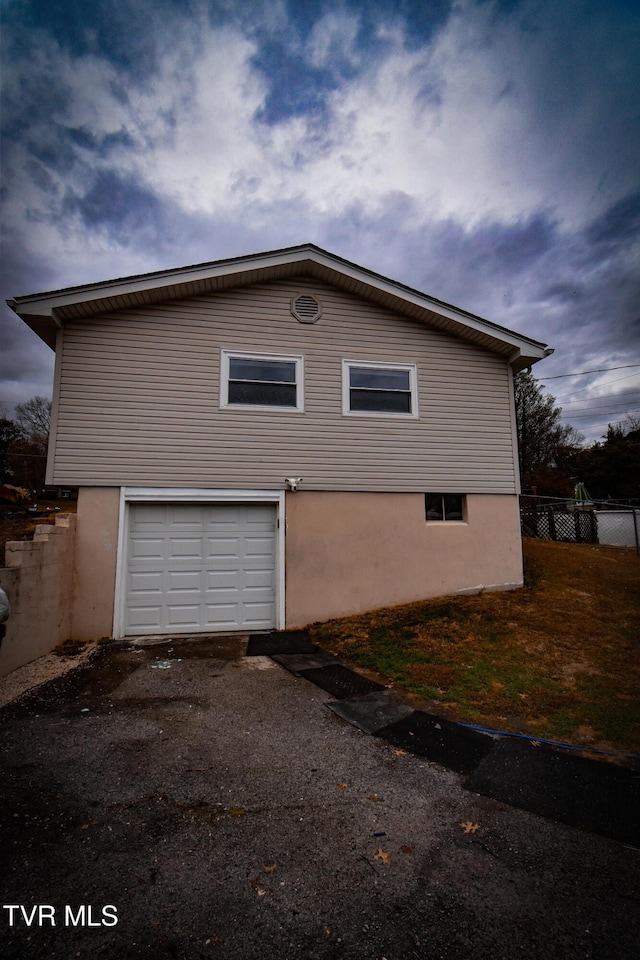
x: 556, y: 659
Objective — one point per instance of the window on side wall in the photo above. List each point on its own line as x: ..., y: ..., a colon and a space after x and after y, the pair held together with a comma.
x: 261, y: 380
x: 444, y: 506
x: 379, y: 389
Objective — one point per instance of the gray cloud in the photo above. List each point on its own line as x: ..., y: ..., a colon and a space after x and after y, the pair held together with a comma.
x: 119, y: 204
x: 620, y: 224
x: 27, y: 363
x: 354, y: 128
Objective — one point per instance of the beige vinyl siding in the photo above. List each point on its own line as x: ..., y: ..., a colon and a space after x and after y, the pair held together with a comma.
x: 139, y: 400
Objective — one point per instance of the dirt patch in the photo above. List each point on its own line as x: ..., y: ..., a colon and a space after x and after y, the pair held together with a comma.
x: 556, y: 659
x: 17, y: 524
x: 50, y: 667
x: 17, y: 529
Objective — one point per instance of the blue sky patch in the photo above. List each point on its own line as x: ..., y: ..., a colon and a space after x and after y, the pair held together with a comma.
x: 486, y: 152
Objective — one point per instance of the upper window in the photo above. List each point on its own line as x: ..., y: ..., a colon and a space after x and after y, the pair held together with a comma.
x: 379, y: 389
x: 258, y: 380
x: 444, y: 506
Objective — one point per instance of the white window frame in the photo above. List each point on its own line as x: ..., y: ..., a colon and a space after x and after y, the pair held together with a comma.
x: 410, y: 368
x: 227, y: 355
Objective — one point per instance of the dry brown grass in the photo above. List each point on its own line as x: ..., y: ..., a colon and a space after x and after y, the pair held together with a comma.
x: 556, y: 659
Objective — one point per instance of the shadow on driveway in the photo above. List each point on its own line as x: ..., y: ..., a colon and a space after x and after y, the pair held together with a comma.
x: 216, y: 806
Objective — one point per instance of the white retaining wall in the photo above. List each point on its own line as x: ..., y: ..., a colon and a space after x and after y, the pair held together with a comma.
x: 38, y: 579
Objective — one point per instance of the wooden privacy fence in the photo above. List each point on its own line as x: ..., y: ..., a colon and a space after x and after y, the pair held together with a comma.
x: 575, y: 521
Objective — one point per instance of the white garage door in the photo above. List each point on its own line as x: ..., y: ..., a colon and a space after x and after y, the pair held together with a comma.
x: 200, y: 568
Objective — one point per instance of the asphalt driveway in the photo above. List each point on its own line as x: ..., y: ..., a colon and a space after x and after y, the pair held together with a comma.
x: 213, y: 806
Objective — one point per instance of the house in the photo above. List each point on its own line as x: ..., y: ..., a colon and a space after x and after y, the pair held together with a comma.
x: 271, y: 440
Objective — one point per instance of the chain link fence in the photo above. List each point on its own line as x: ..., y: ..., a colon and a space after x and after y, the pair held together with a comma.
x: 581, y: 521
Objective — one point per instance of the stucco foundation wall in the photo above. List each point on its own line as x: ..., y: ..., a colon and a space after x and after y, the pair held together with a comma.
x: 351, y: 552
x: 95, y: 568
x: 38, y: 579
x: 345, y: 553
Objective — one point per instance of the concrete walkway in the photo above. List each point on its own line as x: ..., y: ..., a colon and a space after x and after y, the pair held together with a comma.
x: 214, y: 805
x: 557, y: 782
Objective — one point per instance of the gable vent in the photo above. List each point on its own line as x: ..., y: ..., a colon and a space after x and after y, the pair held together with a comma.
x: 306, y: 309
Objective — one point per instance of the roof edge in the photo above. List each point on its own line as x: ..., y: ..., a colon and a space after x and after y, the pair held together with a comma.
x: 40, y: 310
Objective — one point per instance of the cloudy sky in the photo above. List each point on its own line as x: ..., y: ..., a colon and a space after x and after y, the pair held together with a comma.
x: 486, y: 152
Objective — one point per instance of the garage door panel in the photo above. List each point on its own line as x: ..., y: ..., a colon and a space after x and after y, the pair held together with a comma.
x: 184, y: 580
x: 182, y: 547
x: 223, y: 547
x: 257, y: 513
x: 216, y: 527
x: 148, y: 547
x: 223, y: 609
x: 253, y: 586
x: 183, y: 515
x: 183, y: 615
x: 223, y: 588
x: 258, y: 547
x: 257, y: 619
x: 259, y: 580
x: 154, y: 515
x: 254, y: 617
x: 145, y: 581
x: 223, y: 617
x: 257, y: 614
x: 200, y: 568
x: 265, y: 579
x: 145, y: 619
x: 223, y: 580
x: 223, y: 563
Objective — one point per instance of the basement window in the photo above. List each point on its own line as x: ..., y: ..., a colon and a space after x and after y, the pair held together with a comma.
x: 379, y: 389
x: 261, y: 380
x: 444, y: 506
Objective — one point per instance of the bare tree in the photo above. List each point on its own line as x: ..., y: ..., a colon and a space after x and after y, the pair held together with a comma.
x: 26, y: 453
x: 33, y: 417
x: 9, y: 435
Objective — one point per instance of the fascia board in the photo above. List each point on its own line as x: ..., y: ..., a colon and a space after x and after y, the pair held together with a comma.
x: 45, y: 304
x: 520, y: 344
x: 40, y: 309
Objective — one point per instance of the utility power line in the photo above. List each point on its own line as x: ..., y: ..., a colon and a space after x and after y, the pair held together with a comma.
x: 590, y: 416
x: 575, y: 393
x: 582, y: 373
x: 604, y: 408
x: 605, y: 400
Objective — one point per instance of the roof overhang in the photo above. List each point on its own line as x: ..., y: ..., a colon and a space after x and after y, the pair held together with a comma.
x: 46, y: 312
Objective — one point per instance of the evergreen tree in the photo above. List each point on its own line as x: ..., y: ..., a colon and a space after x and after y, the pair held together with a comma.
x: 611, y: 469
x: 547, y: 448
